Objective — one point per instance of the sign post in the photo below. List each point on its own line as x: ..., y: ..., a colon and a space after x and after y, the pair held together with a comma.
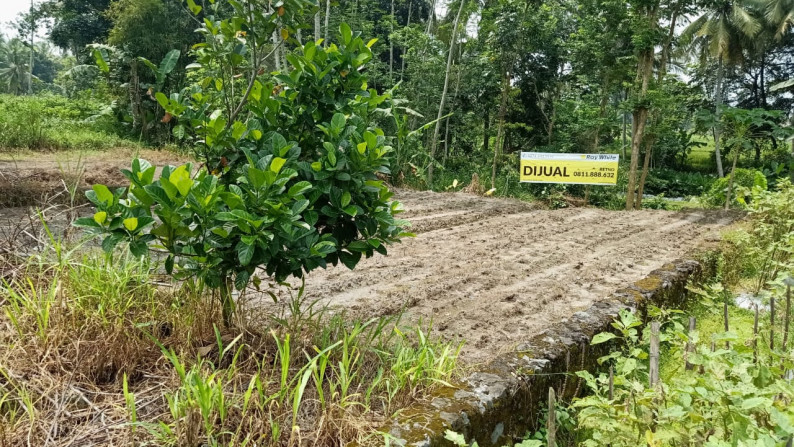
x: 577, y: 169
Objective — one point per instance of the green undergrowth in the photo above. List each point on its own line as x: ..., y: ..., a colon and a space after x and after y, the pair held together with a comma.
x: 53, y: 122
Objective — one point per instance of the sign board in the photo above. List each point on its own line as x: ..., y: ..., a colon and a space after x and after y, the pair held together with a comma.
x: 581, y: 169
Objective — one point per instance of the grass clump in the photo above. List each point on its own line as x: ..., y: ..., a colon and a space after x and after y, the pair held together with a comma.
x: 100, y: 351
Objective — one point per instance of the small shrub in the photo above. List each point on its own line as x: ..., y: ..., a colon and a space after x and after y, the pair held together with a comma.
x: 674, y: 183
x: 743, y: 179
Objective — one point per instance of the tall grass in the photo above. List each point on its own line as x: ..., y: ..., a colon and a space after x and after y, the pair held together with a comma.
x: 52, y: 122
x: 99, y: 352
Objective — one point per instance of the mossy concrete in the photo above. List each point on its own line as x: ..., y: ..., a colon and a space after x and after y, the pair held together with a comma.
x: 503, y: 400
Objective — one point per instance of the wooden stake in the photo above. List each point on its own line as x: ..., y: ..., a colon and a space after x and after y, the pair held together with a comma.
x: 727, y: 327
x: 653, y: 373
x: 690, y: 347
x: 788, y: 316
x: 755, y: 335
x: 611, y: 382
x: 772, y: 326
x: 551, y: 422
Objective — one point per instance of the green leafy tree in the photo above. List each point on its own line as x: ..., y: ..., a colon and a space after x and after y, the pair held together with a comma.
x: 288, y: 176
x: 721, y: 32
x: 14, y: 66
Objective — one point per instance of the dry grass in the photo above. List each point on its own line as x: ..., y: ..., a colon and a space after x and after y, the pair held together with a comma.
x: 104, y: 352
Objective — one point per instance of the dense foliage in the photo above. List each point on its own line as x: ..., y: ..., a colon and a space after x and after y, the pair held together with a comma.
x: 288, y: 176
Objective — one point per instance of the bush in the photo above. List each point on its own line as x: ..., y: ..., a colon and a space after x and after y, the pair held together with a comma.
x: 52, y: 122
x: 732, y: 396
x: 674, y: 183
x: 288, y: 185
x: 743, y: 179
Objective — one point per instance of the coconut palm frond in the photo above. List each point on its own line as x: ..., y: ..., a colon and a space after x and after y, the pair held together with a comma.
x: 694, y: 29
x: 744, y: 20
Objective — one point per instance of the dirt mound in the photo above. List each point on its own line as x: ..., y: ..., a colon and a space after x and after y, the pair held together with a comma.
x: 493, y: 272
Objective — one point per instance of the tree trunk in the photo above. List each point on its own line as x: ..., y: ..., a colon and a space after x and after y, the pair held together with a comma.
x: 791, y: 165
x: 327, y: 17
x: 391, y: 45
x: 405, y: 48
x: 227, y: 300
x: 649, y: 142
x: 135, y: 96
x: 717, y: 114
x: 486, y: 130
x: 277, y: 54
x: 430, y: 15
x: 640, y: 117
x: 602, y: 108
x: 30, y: 69
x: 434, y: 141
x: 317, y: 26
x: 501, y: 130
x: 730, y: 178
x: 645, y: 164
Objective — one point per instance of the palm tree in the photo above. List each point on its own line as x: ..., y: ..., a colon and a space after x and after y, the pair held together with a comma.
x: 14, y: 68
x: 722, y: 32
x: 779, y: 14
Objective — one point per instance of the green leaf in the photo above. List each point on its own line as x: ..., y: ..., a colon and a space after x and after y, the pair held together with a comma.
x: 162, y: 100
x: 347, y: 33
x: 338, y: 122
x: 308, y: 51
x: 110, y: 242
x: 371, y: 139
x: 169, y: 264
x: 241, y: 280
x: 103, y: 194
x: 245, y: 253
x: 181, y: 179
x: 276, y: 164
x: 169, y: 61
x: 602, y: 338
x: 359, y: 246
x: 101, y: 59
x: 349, y: 259
x: 299, y: 188
x: 753, y: 402
x: 194, y: 8
x: 345, y: 199
x: 131, y: 223
x: 100, y: 217
x: 86, y: 222
x: 138, y: 248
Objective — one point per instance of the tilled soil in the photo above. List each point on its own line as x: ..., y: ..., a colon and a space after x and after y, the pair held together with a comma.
x: 494, y: 272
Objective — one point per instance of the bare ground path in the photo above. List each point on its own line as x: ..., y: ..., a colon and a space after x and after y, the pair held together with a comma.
x: 494, y: 272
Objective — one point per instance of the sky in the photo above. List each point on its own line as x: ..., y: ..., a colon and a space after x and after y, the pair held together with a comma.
x: 9, y: 9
